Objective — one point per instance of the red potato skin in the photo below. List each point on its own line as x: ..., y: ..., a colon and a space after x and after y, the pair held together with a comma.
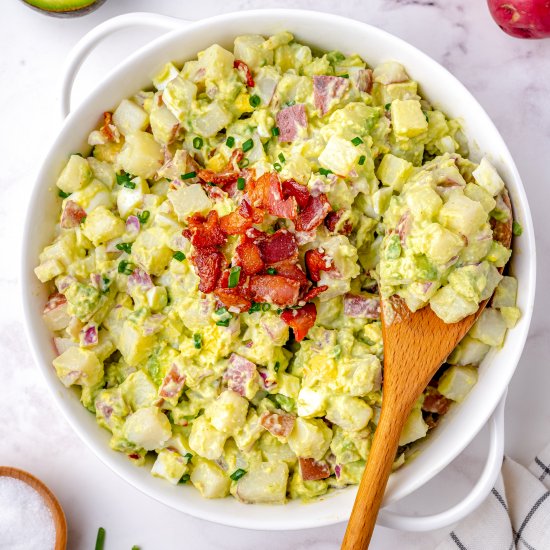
x: 522, y: 18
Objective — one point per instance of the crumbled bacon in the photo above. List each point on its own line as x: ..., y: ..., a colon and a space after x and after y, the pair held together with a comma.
x: 235, y: 223
x: 242, y: 66
x: 278, y: 423
x: 313, y: 214
x: 300, y: 320
x: 313, y: 470
x: 291, y: 270
x: 275, y: 289
x: 291, y: 188
x: 109, y: 130
x: 278, y: 247
x: 73, y: 215
x: 232, y: 298
x: 314, y: 292
x: 55, y: 300
x: 332, y: 219
x: 248, y: 256
x: 316, y: 262
x: 205, y: 232
x: 208, y: 265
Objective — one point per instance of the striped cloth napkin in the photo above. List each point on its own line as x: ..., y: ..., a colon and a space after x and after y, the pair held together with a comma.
x: 515, y: 516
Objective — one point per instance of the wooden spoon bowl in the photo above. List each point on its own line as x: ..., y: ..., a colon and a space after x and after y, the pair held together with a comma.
x: 51, y: 501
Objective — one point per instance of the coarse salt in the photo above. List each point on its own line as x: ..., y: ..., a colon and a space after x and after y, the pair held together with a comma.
x: 26, y: 522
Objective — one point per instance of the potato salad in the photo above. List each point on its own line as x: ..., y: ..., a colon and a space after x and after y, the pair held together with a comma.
x: 220, y: 254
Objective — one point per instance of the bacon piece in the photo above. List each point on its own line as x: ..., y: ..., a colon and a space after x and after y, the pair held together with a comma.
x: 172, y: 383
x: 363, y: 80
x: 109, y: 130
x: 278, y: 423
x: 434, y: 402
x: 205, y: 233
x: 278, y: 247
x: 291, y: 270
x: 314, y: 292
x: 332, y: 219
x: 248, y: 256
x: 300, y: 320
x: 231, y: 298
x: 55, y: 300
x: 312, y: 470
x: 291, y: 188
x: 73, y: 215
x: 275, y: 289
x: 239, y: 374
x: 242, y: 66
x: 363, y: 307
x: 267, y: 192
x: 234, y: 223
x: 313, y: 214
x: 249, y: 212
x: 316, y: 262
x: 326, y: 89
x: 208, y: 265
x: 290, y: 120
x: 218, y: 178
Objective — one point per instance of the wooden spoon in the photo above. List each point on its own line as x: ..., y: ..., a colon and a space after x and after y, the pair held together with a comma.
x: 49, y: 498
x: 415, y: 346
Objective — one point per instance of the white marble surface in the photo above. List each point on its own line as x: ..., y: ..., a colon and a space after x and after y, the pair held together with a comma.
x: 510, y: 78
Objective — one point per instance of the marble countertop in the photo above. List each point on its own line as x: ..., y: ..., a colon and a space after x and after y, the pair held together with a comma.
x: 511, y: 80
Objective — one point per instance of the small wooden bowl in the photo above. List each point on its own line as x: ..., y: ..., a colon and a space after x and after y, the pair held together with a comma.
x: 52, y: 503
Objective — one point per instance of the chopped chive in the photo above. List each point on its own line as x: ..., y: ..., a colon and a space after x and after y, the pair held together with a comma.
x: 254, y: 100
x: 144, y: 216
x: 275, y: 131
x: 237, y: 474
x: 345, y: 75
x: 197, y: 142
x: 357, y: 141
x: 247, y: 145
x: 234, y: 276
x: 517, y: 230
x: 63, y: 195
x: 240, y: 183
x: 277, y: 167
x: 221, y: 311
x: 125, y: 247
x: 184, y: 479
x: 223, y: 323
x: 254, y: 307
x: 188, y: 456
x: 290, y: 103
x: 126, y: 268
x: 387, y: 106
x: 426, y: 116
x: 271, y: 271
x: 197, y: 341
x: 230, y: 141
x: 244, y: 163
x: 106, y: 281
x: 125, y: 179
x: 277, y: 366
x: 188, y: 176
x: 282, y: 157
x: 266, y: 306
x: 100, y: 539
x: 362, y: 160
x: 279, y: 311
x: 179, y: 256
x: 324, y: 171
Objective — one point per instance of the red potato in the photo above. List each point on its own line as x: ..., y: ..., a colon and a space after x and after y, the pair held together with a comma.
x: 522, y: 18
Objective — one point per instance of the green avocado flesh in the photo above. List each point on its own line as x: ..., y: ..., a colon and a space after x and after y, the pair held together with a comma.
x: 62, y: 5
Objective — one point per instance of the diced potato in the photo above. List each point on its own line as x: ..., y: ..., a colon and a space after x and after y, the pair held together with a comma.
x: 490, y: 328
x: 311, y: 403
x: 457, y: 381
x: 306, y: 490
x: 479, y: 194
x: 56, y: 316
x: 130, y: 118
x: 165, y: 75
x: 134, y: 345
x: 340, y: 155
x: 462, y: 215
x: 101, y: 225
x: 178, y: 96
x: 424, y: 202
x: 209, y: 479
x: 263, y: 483
x: 169, y: 465
x: 451, y: 306
x: 102, y: 171
x: 393, y: 171
x: 187, y: 200
x: 469, y: 352
x: 288, y: 385
x: 129, y: 200
x: 214, y: 118
x: 414, y: 428
x: 151, y: 252
x: 487, y: 177
x: 206, y: 440
x: 48, y: 270
x: 408, y: 120
x: 76, y: 174
x: 249, y: 433
x: 228, y: 412
x: 475, y: 282
x: 511, y: 316
x: 93, y: 195
x: 157, y: 298
x: 505, y: 293
x: 139, y: 390
x: 148, y: 428
x: 310, y: 438
x: 439, y: 244
x: 250, y: 49
x: 350, y: 413
x: 498, y: 254
x: 164, y: 124
x: 216, y: 62
x: 78, y: 366
x: 390, y: 72
x: 141, y: 155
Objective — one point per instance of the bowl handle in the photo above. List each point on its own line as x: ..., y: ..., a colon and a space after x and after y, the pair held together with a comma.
x: 89, y: 41
x: 477, y: 495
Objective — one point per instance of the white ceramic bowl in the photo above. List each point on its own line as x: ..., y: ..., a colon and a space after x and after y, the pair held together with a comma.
x: 327, y: 32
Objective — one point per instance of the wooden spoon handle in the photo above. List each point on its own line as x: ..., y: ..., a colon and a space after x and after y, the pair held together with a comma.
x: 374, y: 480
